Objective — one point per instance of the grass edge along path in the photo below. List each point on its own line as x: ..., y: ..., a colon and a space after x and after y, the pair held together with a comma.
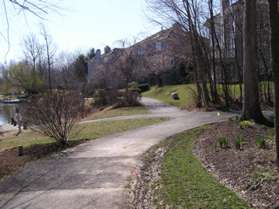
x: 37, y: 146
x: 88, y: 131
x: 185, y: 182
x: 116, y: 112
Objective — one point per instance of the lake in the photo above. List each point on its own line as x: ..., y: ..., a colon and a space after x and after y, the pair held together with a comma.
x: 6, y: 112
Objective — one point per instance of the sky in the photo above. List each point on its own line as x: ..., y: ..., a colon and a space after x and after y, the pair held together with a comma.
x: 79, y: 25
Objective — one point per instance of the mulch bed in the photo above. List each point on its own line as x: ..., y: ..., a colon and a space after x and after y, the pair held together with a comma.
x: 145, y: 183
x: 250, y: 170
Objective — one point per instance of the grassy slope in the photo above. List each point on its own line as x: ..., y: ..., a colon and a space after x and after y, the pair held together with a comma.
x: 84, y: 131
x: 123, y: 111
x: 164, y: 94
x: 187, y: 184
x: 185, y: 92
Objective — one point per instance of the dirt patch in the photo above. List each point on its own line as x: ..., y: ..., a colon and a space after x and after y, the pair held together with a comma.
x: 247, y: 169
x: 10, y: 162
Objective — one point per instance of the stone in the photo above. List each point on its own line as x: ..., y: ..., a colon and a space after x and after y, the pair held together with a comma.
x: 175, y: 96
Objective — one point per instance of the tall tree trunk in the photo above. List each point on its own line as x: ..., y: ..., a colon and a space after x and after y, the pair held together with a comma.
x: 48, y: 66
x: 274, y: 21
x: 194, y: 55
x: 224, y: 77
x: 214, y: 91
x: 251, y: 103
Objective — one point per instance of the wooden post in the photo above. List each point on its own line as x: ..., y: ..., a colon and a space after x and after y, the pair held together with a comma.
x: 20, y: 151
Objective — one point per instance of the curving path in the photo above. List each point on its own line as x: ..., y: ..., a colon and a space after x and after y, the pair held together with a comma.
x: 95, y: 175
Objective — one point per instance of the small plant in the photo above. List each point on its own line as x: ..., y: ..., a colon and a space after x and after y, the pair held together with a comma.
x: 223, y: 142
x: 260, y: 142
x: 264, y: 174
x: 246, y: 124
x: 134, y: 86
x: 239, y: 141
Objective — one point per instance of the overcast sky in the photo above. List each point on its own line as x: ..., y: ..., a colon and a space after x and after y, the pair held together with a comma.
x: 82, y: 24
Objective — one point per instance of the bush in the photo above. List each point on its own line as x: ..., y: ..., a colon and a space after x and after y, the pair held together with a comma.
x: 144, y: 87
x: 100, y: 98
x: 134, y: 87
x: 109, y: 97
x: 246, y: 124
x: 105, y: 97
x: 129, y: 99
x: 54, y: 113
x: 223, y: 142
x: 260, y: 142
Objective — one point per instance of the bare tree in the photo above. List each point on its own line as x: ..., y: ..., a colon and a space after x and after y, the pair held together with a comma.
x: 32, y: 50
x: 130, y: 63
x: 50, y: 50
x: 213, y: 50
x: 54, y: 113
x: 64, y: 72
x: 220, y: 45
x: 38, y: 8
x: 188, y: 14
x: 274, y: 20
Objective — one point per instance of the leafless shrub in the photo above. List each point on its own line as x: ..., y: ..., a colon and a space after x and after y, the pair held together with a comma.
x: 54, y: 113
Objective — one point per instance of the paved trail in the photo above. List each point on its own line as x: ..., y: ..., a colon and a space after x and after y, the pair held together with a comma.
x: 94, y: 175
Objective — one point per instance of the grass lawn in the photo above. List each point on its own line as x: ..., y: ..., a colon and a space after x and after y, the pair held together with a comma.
x: 187, y: 184
x: 123, y: 111
x: 85, y: 131
x: 164, y: 94
x: 185, y: 92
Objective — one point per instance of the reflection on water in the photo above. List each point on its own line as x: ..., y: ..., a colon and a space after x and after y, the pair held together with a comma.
x: 6, y: 112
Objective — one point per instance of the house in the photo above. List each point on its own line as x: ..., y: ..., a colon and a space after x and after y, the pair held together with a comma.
x: 162, y: 51
x: 229, y: 29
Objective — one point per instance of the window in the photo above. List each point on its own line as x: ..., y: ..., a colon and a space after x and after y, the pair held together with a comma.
x: 140, y: 51
x: 158, y: 46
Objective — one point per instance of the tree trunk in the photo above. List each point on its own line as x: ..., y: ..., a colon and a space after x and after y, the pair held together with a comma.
x: 224, y: 77
x: 203, y: 95
x: 48, y: 66
x: 215, y: 96
x: 251, y: 103
x: 274, y: 21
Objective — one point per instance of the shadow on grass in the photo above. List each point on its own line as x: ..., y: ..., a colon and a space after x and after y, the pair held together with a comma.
x: 11, y: 162
x: 43, y: 150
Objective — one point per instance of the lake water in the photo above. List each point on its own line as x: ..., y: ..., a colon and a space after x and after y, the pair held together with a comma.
x: 6, y: 112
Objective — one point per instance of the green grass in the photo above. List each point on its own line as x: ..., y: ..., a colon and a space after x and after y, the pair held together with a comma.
x: 185, y: 92
x: 164, y: 94
x: 233, y: 88
x: 187, y: 184
x: 123, y: 111
x: 85, y: 131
